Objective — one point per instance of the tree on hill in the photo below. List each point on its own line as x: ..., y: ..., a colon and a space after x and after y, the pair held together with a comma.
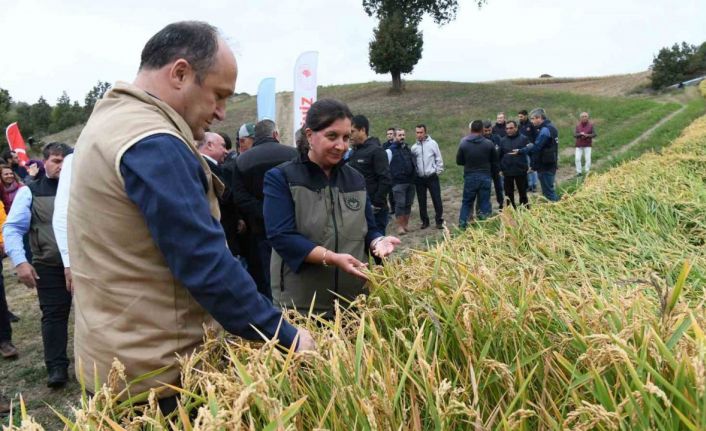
x: 65, y: 114
x: 678, y: 63
x: 40, y: 116
x: 5, y: 107
x: 396, y: 48
x: 61, y: 113
x: 397, y: 44
x: 95, y: 95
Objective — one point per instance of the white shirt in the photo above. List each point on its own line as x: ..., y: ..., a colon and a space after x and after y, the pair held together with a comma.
x: 61, y: 210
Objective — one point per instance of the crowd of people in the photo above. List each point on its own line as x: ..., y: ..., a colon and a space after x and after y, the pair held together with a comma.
x: 187, y: 229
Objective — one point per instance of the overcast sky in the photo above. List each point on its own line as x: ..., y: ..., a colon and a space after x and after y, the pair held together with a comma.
x: 50, y: 46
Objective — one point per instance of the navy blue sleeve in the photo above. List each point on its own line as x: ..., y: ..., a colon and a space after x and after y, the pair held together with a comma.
x: 280, y: 222
x: 164, y: 179
x: 542, y: 140
x: 370, y: 220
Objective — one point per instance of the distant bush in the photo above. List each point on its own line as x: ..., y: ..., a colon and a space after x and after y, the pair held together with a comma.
x: 678, y: 63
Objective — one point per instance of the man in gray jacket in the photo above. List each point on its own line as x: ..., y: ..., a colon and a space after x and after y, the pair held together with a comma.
x: 429, y: 164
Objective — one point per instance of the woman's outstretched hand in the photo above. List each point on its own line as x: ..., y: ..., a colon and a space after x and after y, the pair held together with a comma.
x: 385, y: 245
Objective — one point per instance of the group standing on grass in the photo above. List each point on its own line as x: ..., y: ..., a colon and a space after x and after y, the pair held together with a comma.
x: 182, y: 232
x: 514, y: 155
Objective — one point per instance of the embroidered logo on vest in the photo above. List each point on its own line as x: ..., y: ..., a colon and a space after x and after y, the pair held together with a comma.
x: 352, y: 203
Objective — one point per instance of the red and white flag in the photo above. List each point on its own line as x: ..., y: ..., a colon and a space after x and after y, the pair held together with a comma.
x: 17, y: 144
x: 304, y: 86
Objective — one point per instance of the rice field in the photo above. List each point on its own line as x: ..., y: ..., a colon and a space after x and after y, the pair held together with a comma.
x: 586, y: 314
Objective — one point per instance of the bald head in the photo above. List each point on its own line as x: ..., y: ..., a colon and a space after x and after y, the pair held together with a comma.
x: 189, y: 66
x: 214, y: 146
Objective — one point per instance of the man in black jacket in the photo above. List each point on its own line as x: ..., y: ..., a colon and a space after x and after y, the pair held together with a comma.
x: 479, y: 159
x: 390, y: 133
x: 370, y: 159
x: 248, y: 183
x: 213, y: 147
x: 499, y: 126
x: 527, y: 129
x: 497, y: 179
x: 514, y: 166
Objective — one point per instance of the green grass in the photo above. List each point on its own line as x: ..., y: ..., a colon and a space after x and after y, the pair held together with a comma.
x: 617, y: 133
x: 660, y: 138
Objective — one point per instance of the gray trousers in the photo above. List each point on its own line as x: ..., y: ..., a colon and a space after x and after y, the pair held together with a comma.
x: 404, y: 196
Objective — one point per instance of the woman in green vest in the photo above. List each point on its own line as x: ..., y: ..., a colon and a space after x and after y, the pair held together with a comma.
x: 319, y: 220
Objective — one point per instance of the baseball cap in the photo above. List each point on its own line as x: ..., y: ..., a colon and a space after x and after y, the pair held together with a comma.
x: 247, y: 130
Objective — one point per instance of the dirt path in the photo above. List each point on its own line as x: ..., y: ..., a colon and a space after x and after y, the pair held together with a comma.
x: 451, y: 195
x: 567, y: 172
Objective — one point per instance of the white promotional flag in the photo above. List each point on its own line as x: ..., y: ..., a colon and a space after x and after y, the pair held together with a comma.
x: 304, y: 87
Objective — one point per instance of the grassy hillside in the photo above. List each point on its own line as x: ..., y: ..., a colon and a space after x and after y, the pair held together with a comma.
x: 447, y: 108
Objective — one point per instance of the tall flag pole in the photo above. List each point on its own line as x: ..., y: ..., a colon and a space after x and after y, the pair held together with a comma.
x: 305, y: 78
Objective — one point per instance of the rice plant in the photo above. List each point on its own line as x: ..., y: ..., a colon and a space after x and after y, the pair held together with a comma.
x: 586, y: 314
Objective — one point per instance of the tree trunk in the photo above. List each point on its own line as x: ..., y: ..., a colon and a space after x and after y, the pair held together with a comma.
x: 396, y: 81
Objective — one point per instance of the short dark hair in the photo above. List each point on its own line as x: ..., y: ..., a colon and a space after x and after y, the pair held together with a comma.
x: 56, y: 149
x: 264, y: 129
x: 391, y: 128
x: 325, y: 112
x: 360, y: 122
x: 226, y: 138
x: 476, y: 126
x: 522, y: 112
x: 194, y: 41
x: 514, y: 123
x: 487, y: 124
x: 422, y: 126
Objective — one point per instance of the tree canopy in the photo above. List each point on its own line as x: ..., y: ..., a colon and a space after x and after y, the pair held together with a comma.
x: 40, y: 118
x: 397, y: 44
x: 679, y: 63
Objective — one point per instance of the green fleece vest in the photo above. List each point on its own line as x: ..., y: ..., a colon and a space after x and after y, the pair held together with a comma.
x: 42, y: 241
x: 331, y: 213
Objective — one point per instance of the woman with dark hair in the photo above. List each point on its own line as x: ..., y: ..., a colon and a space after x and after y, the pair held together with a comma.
x: 10, y: 185
x: 319, y: 220
x: 301, y: 142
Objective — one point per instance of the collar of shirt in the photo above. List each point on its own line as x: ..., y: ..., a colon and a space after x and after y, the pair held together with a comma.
x: 210, y: 158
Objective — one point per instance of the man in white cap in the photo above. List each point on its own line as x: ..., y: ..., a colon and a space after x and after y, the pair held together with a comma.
x: 246, y: 137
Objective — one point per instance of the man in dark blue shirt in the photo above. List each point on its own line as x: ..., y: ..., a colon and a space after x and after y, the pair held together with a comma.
x: 149, y: 258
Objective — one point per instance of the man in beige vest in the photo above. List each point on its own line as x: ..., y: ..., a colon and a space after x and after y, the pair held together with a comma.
x: 148, y: 255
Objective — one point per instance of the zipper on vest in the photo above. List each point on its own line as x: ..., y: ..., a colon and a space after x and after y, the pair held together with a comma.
x: 335, y: 235
x: 281, y: 276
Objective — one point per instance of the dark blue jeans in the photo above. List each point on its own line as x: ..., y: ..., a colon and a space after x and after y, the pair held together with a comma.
x: 475, y: 185
x: 546, y: 180
x: 531, y: 177
x: 499, y: 186
x: 259, y: 263
x: 382, y: 217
